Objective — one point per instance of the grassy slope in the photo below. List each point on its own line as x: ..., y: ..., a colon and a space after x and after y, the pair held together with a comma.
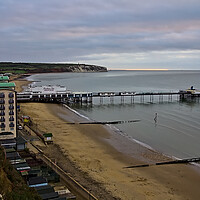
x: 12, y: 186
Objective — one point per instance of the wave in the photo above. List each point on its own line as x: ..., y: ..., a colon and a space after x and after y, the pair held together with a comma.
x: 148, y: 146
x: 117, y: 130
x: 113, y: 128
x: 29, y: 78
x: 124, y: 134
x: 77, y: 113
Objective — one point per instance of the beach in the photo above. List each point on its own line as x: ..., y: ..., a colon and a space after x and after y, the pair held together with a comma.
x: 100, y: 155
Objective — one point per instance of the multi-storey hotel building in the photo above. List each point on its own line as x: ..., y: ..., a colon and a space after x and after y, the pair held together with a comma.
x: 8, y: 110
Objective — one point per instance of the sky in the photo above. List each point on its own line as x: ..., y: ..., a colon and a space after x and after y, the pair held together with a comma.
x: 117, y: 34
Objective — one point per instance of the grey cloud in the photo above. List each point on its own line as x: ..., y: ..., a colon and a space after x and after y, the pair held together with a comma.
x: 62, y: 30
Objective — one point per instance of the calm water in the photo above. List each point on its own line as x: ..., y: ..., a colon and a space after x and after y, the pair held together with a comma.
x: 177, y: 132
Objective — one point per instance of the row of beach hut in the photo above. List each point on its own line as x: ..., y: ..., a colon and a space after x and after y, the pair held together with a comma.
x: 34, y: 171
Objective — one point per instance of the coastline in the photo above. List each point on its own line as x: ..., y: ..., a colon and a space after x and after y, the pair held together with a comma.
x: 20, y: 83
x: 118, y: 140
x: 89, y: 148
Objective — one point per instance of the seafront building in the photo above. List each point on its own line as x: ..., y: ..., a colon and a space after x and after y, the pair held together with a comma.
x: 8, y: 109
x: 33, y: 170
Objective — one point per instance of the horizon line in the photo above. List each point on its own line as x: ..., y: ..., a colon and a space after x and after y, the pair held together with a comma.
x: 141, y: 69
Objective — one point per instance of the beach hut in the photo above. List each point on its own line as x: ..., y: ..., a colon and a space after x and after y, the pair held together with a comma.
x: 12, y: 155
x: 26, y: 119
x: 48, y: 137
x: 37, y: 181
x: 21, y: 143
x: 21, y: 167
x: 46, y: 192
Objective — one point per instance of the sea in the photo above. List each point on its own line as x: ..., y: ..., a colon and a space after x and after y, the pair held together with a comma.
x: 175, y: 133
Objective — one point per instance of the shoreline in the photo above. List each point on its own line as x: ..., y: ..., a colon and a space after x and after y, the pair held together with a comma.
x: 94, y: 156
x: 116, y: 134
x: 117, y: 138
x: 108, y: 127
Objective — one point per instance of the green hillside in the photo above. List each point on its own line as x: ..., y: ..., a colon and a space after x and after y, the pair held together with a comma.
x: 22, y: 68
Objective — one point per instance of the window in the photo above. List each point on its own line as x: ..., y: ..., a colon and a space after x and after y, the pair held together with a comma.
x: 11, y: 107
x: 11, y: 119
x: 2, y: 95
x: 10, y: 95
x: 11, y: 124
x: 3, y: 129
x: 2, y: 101
x: 2, y: 107
x: 2, y: 113
x: 11, y: 112
x: 11, y: 101
x: 11, y: 129
x: 2, y: 125
x: 2, y: 119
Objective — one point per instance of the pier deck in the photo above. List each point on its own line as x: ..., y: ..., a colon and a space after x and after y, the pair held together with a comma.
x: 88, y: 96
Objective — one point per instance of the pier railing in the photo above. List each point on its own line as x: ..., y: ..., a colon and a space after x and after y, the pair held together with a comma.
x: 88, y: 96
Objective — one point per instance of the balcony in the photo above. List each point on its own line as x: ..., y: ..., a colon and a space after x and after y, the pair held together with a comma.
x: 11, y: 112
x: 11, y: 125
x: 2, y: 119
x: 2, y: 125
x: 2, y: 107
x: 11, y: 119
x: 11, y: 107
x: 2, y: 95
x: 11, y: 95
x: 2, y: 113
x: 11, y: 101
x: 2, y: 101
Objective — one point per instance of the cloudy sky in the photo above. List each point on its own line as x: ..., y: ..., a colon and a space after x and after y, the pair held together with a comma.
x: 118, y: 34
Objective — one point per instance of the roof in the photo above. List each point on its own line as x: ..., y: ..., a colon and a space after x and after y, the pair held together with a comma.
x: 7, y: 85
x: 34, y: 172
x: 21, y: 166
x: 17, y: 161
x: 12, y: 154
x: 32, y: 162
x: 20, y: 140
x: 10, y: 150
x: 4, y: 78
x: 60, y: 198
x: 24, y: 173
x: 47, y: 134
x: 45, y: 189
x: 47, y: 89
x: 51, y: 195
x: 25, y: 117
x: 37, y: 180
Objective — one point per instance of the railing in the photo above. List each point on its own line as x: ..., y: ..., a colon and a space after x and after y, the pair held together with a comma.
x: 87, y: 96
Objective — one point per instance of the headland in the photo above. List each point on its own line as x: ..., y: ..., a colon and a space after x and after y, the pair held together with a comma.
x: 26, y: 68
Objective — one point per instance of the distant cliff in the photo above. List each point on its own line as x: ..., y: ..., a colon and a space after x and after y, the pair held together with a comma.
x: 22, y: 68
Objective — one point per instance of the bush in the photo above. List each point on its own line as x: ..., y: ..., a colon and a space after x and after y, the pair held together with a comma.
x: 12, y: 185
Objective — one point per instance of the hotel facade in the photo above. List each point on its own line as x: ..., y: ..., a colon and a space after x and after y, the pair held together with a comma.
x: 8, y: 110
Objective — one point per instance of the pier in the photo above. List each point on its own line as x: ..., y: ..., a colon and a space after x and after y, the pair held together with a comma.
x: 87, y: 97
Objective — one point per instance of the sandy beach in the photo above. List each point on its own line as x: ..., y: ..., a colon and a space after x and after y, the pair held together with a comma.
x: 99, y: 156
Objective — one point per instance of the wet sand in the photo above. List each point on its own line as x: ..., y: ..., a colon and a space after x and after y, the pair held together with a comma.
x: 20, y: 84
x: 101, y: 155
